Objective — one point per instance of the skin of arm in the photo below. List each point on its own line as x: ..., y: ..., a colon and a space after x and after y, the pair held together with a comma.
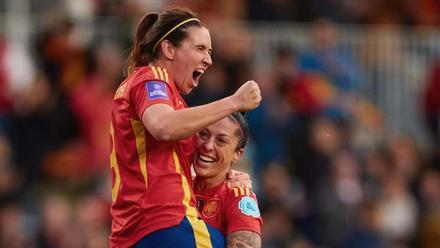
x: 243, y: 239
x: 166, y: 124
x: 161, y: 120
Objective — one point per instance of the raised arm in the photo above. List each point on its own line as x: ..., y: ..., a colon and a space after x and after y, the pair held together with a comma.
x: 243, y: 239
x: 165, y: 123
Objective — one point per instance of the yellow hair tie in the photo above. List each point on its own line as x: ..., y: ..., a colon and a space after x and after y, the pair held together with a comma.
x: 175, y: 27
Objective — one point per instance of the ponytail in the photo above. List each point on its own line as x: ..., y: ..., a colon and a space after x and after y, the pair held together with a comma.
x: 142, y: 50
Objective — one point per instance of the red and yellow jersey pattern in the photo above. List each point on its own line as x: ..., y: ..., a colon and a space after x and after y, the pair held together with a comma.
x: 151, y: 180
x: 229, y: 210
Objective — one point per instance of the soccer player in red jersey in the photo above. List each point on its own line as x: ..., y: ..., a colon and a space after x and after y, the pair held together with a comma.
x: 233, y: 211
x: 152, y: 134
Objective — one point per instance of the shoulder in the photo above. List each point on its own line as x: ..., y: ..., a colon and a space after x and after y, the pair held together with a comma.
x: 245, y: 200
x: 149, y: 73
x: 239, y: 191
x: 154, y: 80
x: 242, y: 212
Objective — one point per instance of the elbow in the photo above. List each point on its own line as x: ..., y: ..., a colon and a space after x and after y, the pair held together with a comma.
x: 162, y: 134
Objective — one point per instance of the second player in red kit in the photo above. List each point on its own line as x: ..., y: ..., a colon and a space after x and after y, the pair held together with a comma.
x: 233, y: 211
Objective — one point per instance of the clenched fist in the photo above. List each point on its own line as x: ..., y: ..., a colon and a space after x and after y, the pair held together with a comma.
x: 248, y: 96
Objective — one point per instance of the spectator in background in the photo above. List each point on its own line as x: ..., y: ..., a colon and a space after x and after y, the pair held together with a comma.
x: 10, y: 178
x: 364, y: 231
x: 42, y: 102
x: 269, y: 146
x: 93, y: 115
x: 52, y: 127
x: 424, y: 12
x: 13, y: 226
x: 285, y: 194
x: 431, y: 107
x: 428, y: 235
x: 58, y: 227
x: 389, y: 12
x: 397, y: 212
x: 325, y: 140
x: 378, y: 165
x: 332, y: 63
x: 337, y: 198
x: 5, y: 92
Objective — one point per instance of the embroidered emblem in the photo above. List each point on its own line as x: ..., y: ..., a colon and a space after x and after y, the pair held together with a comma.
x: 249, y: 207
x: 156, y: 90
x: 211, y: 207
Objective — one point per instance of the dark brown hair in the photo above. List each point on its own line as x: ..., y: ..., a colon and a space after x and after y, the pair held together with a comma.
x: 152, y: 28
x: 242, y: 131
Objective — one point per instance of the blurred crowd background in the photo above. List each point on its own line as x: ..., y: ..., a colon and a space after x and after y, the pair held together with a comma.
x: 344, y: 150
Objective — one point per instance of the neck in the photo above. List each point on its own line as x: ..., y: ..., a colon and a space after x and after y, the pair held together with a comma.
x: 203, y: 183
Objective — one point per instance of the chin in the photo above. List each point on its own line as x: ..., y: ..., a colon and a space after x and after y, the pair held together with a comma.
x: 185, y: 91
x: 197, y: 170
x: 202, y: 172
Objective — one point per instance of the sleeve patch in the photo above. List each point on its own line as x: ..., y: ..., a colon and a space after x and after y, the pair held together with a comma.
x: 156, y: 90
x: 248, y: 206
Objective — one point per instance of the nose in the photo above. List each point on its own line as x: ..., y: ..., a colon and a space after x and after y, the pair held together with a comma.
x: 208, y: 145
x: 207, y: 60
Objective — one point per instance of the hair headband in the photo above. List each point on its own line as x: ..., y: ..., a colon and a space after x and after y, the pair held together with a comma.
x: 238, y: 124
x: 174, y: 28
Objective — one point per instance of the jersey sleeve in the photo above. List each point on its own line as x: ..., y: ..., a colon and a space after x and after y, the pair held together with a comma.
x: 242, y: 212
x: 148, y: 93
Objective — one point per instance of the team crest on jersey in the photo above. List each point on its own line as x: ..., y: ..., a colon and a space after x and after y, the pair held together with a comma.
x: 156, y: 90
x: 249, y: 207
x: 211, y: 207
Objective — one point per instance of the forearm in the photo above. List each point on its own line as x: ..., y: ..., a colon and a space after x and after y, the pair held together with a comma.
x: 175, y: 125
x: 245, y: 239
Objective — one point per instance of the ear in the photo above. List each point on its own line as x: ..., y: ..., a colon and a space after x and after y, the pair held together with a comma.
x: 237, y: 155
x: 168, y: 49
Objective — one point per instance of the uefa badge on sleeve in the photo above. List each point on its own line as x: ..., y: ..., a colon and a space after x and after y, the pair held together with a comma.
x: 156, y: 90
x: 248, y: 206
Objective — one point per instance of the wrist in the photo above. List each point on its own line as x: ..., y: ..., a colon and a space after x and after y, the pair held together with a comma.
x: 233, y: 102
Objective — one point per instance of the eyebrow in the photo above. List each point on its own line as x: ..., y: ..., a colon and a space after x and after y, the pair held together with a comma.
x: 205, y: 47
x: 224, y: 136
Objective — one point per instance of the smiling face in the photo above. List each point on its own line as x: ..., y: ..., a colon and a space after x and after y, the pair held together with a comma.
x: 191, y: 59
x: 217, y: 150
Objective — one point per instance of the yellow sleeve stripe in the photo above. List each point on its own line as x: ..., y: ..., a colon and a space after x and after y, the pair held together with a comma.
x: 235, y: 192
x: 241, y: 190
x: 156, y: 74
x: 160, y: 73
x: 161, y: 76
x: 166, y: 75
x: 139, y: 133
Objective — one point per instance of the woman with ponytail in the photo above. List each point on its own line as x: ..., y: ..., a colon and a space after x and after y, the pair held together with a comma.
x: 152, y: 134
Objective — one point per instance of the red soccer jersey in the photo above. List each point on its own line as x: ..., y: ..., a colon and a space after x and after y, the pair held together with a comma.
x: 229, y: 210
x: 150, y: 179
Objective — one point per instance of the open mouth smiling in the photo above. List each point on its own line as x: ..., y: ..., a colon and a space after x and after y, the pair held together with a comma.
x: 206, y: 159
